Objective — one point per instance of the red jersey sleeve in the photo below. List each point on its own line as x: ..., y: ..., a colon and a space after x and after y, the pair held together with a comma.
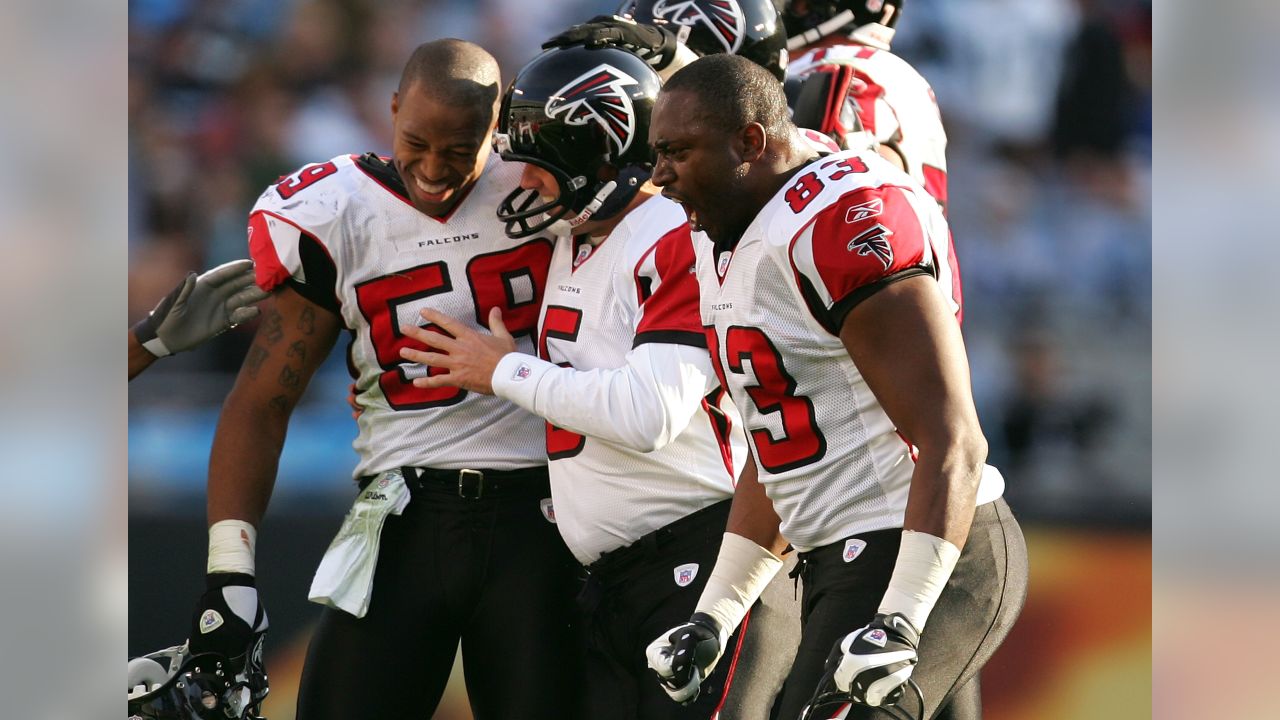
x: 667, y: 289
x: 284, y: 253
x: 863, y: 241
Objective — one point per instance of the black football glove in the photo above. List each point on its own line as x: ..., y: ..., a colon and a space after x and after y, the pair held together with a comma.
x: 874, y: 663
x: 228, y: 619
x: 656, y: 45
x: 684, y: 656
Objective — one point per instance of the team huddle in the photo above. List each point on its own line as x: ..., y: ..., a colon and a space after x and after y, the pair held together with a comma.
x: 663, y: 404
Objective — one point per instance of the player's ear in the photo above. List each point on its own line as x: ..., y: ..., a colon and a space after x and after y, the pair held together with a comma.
x: 752, y: 140
x: 395, y: 104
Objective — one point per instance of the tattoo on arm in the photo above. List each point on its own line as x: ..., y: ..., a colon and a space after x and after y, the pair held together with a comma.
x: 272, y: 328
x: 253, y: 361
x: 299, y: 350
x: 290, y: 378
x: 279, y: 402
x: 307, y: 320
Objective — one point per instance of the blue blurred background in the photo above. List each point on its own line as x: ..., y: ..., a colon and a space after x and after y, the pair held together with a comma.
x: 1048, y: 111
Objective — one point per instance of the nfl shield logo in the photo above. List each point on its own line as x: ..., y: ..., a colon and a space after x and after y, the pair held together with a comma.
x: 722, y: 265
x: 210, y: 621
x: 853, y: 547
x: 876, y: 637
x: 522, y: 372
x: 584, y: 252
x: 548, y: 510
x: 686, y: 573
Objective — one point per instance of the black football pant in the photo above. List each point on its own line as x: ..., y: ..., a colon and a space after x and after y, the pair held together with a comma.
x: 975, y: 612
x: 634, y: 594
x: 489, y: 572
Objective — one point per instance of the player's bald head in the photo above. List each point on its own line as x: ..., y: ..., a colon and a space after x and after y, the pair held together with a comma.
x: 455, y: 72
x: 732, y: 92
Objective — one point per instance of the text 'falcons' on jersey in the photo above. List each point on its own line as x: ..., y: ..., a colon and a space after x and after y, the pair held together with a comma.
x: 598, y: 95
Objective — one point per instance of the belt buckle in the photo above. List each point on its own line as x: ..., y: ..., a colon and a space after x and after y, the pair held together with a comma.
x: 469, y: 482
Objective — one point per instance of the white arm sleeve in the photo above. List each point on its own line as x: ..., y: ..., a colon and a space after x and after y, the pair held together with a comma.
x: 642, y: 405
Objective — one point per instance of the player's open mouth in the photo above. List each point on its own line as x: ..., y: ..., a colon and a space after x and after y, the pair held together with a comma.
x: 688, y: 210
x: 433, y: 192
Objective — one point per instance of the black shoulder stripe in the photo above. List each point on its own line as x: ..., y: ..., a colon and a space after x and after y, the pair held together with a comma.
x: 384, y: 172
x: 321, y: 286
x: 840, y: 310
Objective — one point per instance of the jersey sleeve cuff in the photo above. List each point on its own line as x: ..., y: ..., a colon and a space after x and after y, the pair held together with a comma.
x: 517, y: 376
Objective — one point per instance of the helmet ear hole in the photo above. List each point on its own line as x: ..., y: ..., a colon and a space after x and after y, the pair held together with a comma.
x: 606, y: 173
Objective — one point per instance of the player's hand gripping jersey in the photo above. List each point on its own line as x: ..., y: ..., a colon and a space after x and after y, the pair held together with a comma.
x: 846, y: 224
x: 344, y: 235
x: 633, y: 300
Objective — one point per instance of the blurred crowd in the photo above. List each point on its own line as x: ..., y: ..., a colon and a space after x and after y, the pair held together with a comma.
x: 1048, y: 112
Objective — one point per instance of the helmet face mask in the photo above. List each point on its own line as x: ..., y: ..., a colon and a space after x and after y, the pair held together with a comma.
x: 582, y: 115
x: 810, y: 20
x: 195, y: 687
x: 750, y: 28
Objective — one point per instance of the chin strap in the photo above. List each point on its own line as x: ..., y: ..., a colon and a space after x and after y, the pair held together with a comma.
x: 566, y: 226
x: 813, y: 35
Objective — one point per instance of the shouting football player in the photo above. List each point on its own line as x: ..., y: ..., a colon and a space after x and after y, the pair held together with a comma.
x: 819, y: 284
x: 644, y: 447
x: 447, y: 541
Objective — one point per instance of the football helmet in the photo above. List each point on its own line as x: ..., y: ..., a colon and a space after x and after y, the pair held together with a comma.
x: 808, y: 21
x: 750, y: 28
x: 581, y: 114
x: 173, y: 684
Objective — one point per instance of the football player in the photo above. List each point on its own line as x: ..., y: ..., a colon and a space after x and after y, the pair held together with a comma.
x: 819, y: 284
x: 866, y: 95
x: 199, y: 308
x: 446, y: 542
x: 644, y: 446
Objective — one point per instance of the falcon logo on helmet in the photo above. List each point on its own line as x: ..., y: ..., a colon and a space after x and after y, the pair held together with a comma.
x: 874, y: 241
x: 724, y: 18
x: 598, y: 96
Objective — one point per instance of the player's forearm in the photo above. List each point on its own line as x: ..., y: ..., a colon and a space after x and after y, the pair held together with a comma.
x: 944, y: 487
x: 939, y: 514
x: 752, y: 515
x: 139, y: 358
x: 244, y: 460
x: 643, y: 405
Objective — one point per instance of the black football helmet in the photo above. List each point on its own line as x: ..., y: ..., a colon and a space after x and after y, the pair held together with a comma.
x: 582, y: 114
x: 750, y: 28
x: 173, y: 684
x: 808, y: 21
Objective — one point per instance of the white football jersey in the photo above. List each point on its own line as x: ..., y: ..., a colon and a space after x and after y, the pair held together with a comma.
x: 344, y: 234
x: 896, y: 105
x: 830, y: 458
x: 636, y: 287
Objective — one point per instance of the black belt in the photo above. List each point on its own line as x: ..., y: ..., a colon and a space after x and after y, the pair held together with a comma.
x: 713, y: 517
x: 470, y: 483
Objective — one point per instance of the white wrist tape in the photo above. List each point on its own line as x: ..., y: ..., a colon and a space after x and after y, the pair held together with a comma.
x: 742, y: 571
x: 231, y: 546
x: 924, y: 564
